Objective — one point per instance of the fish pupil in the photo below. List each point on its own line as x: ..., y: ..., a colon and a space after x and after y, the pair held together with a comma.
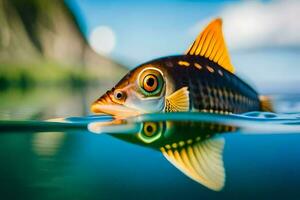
x: 119, y: 95
x: 149, y: 129
x: 150, y: 82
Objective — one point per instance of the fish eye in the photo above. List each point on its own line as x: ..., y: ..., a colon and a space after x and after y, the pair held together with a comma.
x: 150, y: 83
x: 119, y: 95
x: 150, y: 129
x: 150, y: 132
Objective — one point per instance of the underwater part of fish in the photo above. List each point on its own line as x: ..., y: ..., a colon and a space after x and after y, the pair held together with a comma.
x: 201, y: 80
x: 195, y: 148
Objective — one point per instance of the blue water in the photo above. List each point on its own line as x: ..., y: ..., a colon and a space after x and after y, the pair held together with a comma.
x: 46, y: 159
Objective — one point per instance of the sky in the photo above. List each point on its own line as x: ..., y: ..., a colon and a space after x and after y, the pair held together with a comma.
x: 262, y: 36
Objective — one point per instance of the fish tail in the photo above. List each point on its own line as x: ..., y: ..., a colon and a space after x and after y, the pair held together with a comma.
x: 266, y: 104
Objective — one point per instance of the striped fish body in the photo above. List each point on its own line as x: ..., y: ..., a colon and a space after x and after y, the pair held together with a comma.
x: 211, y: 87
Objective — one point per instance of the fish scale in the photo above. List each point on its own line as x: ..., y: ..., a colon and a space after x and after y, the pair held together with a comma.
x: 230, y: 93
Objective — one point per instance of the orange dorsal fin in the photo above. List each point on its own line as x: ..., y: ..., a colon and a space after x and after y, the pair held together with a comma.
x: 210, y: 44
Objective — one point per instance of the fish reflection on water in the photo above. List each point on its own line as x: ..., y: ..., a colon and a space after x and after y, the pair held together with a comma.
x: 193, y: 147
x: 193, y: 142
x: 190, y: 146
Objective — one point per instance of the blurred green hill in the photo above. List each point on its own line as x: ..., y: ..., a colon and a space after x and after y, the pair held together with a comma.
x: 41, y: 44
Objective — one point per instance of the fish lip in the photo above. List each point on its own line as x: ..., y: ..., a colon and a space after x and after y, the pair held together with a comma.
x: 96, y: 109
x: 111, y: 108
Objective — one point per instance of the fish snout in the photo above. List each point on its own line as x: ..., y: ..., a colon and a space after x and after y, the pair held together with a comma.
x: 107, y: 104
x: 101, y: 101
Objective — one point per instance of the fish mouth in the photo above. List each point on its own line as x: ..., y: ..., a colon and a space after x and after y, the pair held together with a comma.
x: 105, y: 105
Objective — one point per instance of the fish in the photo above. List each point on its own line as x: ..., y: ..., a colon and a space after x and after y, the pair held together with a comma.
x: 201, y: 80
x: 194, y: 148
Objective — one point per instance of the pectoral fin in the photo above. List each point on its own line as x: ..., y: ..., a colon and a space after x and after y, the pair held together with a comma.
x: 178, y: 101
x: 202, y: 162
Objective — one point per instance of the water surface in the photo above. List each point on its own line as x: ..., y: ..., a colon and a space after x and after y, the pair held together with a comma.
x: 47, y: 160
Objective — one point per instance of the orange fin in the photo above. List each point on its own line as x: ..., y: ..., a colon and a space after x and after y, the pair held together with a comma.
x: 266, y: 104
x: 179, y: 101
x: 202, y: 162
x: 210, y: 44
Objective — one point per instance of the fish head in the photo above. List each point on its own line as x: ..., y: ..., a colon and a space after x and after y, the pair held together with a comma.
x: 141, y: 91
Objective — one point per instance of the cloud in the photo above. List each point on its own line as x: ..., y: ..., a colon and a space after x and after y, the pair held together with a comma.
x: 254, y: 24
